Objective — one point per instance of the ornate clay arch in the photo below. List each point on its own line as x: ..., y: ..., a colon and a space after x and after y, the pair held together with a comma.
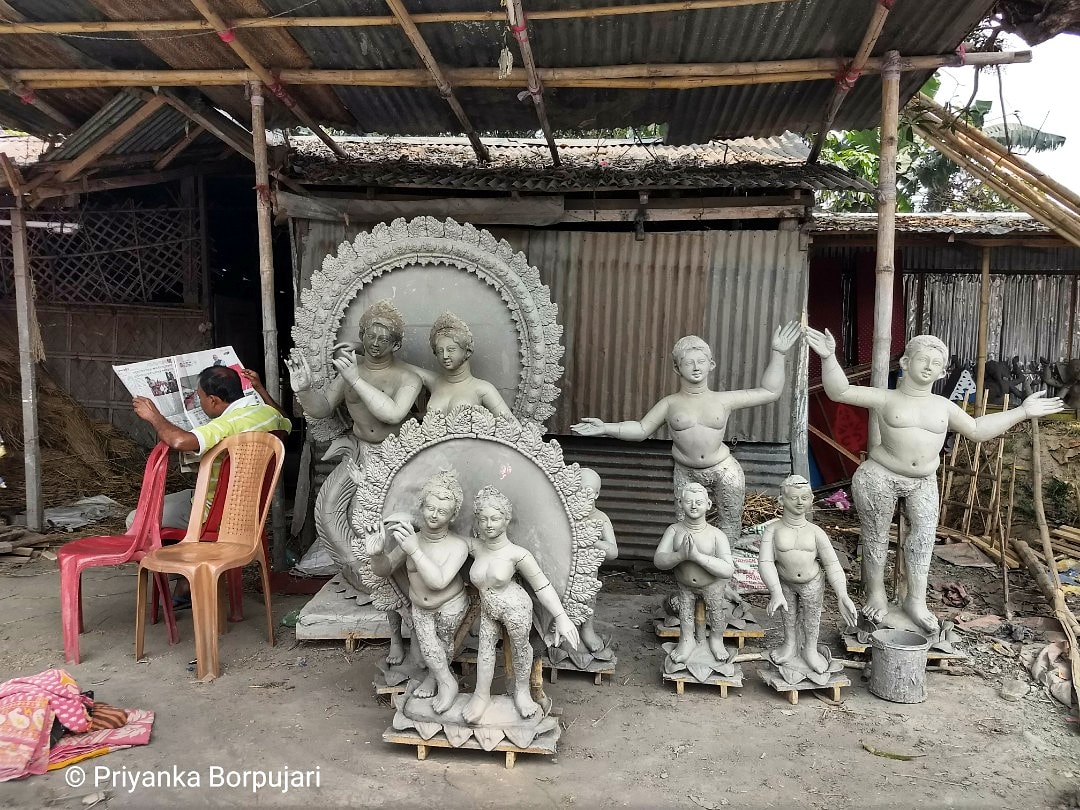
x: 484, y: 450
x: 428, y: 242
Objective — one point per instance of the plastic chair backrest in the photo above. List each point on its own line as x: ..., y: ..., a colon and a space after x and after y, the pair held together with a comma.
x: 256, y: 460
x: 217, y: 506
x: 146, y: 528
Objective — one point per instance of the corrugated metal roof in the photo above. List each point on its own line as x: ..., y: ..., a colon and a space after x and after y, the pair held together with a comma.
x: 768, y: 31
x: 984, y: 223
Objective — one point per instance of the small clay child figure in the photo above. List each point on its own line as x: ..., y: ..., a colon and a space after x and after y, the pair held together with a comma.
x: 700, y: 556
x: 795, y: 560
x: 590, y: 485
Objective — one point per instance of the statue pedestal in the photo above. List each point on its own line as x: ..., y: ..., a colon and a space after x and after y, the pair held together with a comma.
x: 339, y: 611
x: 945, y: 649
x: 702, y: 668
x: 598, y: 664
x: 741, y: 625
x: 772, y: 677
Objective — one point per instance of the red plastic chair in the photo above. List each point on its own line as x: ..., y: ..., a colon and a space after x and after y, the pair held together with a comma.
x: 90, y: 552
x: 234, y: 578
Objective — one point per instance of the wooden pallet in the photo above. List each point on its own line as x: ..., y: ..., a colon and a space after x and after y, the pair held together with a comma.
x: 933, y: 657
x: 774, y: 679
x: 598, y: 674
x: 544, y: 744
x: 713, y: 680
x: 756, y: 631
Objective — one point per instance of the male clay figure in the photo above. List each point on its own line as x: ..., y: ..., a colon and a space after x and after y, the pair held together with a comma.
x: 433, y: 558
x: 913, y: 423
x: 590, y: 487
x: 795, y: 560
x: 701, y: 559
x: 697, y: 418
x: 378, y: 392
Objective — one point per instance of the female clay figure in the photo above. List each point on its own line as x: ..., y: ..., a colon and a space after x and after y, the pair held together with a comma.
x: 505, y: 603
x: 697, y: 418
x: 452, y: 344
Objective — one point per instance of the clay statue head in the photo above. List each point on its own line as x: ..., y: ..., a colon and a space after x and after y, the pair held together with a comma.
x: 796, y: 496
x: 695, y: 501
x: 925, y: 360
x: 440, y: 500
x: 451, y: 341
x: 492, y: 512
x: 692, y: 359
x: 590, y: 484
x: 381, y: 329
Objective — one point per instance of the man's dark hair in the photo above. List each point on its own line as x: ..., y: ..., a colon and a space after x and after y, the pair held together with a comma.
x: 221, y: 382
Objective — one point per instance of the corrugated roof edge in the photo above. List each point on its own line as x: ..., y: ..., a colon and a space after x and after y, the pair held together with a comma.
x: 992, y: 223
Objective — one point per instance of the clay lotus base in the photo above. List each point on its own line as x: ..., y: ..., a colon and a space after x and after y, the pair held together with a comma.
x: 700, y: 666
x: 795, y: 670
x: 500, y: 721
x: 945, y: 642
x: 398, y: 674
x: 583, y: 660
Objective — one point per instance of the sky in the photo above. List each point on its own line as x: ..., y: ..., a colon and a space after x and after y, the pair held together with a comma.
x: 1042, y: 94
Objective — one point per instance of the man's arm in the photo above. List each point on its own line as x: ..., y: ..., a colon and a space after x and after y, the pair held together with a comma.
x: 994, y: 424
x: 175, y: 437
x: 260, y: 389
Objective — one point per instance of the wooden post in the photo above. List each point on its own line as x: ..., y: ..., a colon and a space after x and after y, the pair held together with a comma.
x: 266, y: 285
x: 984, y: 325
x: 886, y: 237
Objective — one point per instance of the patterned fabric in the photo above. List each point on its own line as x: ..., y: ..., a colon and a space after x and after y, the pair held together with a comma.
x: 73, y: 748
x: 242, y: 416
x: 27, y: 708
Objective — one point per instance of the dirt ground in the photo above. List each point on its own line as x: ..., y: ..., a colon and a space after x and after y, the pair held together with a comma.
x: 628, y: 743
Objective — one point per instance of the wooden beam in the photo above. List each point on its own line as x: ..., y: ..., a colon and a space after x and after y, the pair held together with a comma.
x: 110, y: 139
x: 846, y: 80
x: 271, y: 82
x: 519, y: 27
x: 173, y: 152
x: 27, y: 96
x: 445, y: 88
x: 707, y: 74
x: 983, y: 328
x: 546, y: 210
x: 685, y: 213
x: 352, y: 21
x: 90, y: 186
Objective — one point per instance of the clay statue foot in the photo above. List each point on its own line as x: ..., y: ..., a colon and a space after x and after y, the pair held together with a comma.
x: 918, y: 612
x: 448, y: 691
x: 717, y: 648
x: 427, y: 688
x: 683, y: 649
x: 815, y: 660
x: 593, y: 642
x: 876, y: 608
x: 526, y: 706
x: 396, y: 654
x: 475, y: 708
x: 783, y: 654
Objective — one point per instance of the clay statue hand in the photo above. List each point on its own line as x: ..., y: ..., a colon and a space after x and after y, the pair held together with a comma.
x: 778, y: 602
x: 847, y: 610
x: 564, y: 629
x: 299, y: 371
x: 589, y: 426
x: 1038, y: 404
x: 786, y: 336
x: 353, y: 471
x: 405, y: 536
x: 821, y: 342
x: 346, y: 362
x: 374, y: 539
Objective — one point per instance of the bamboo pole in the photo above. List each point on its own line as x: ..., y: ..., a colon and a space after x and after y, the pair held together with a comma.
x: 850, y: 75
x: 352, y: 21
x: 515, y: 16
x: 265, y: 76
x: 886, y: 236
x: 984, y: 325
x: 109, y: 139
x: 631, y: 76
x: 27, y: 96
x: 445, y: 88
x: 173, y: 152
x: 266, y: 286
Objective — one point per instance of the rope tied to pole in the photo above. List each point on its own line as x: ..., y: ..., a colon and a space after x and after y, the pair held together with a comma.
x: 846, y: 78
x: 266, y: 197
x: 226, y: 36
x: 961, y: 53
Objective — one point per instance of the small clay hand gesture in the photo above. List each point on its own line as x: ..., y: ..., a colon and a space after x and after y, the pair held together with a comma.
x: 778, y: 602
x: 565, y: 629
x: 1038, y: 404
x: 589, y: 426
x: 786, y: 336
x: 847, y: 610
x: 299, y: 371
x: 345, y: 362
x: 821, y: 342
x: 405, y: 536
x: 374, y: 539
x: 354, y: 472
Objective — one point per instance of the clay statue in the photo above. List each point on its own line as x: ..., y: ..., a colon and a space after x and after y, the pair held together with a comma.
x: 1001, y: 379
x: 697, y: 418
x: 796, y: 559
x: 378, y: 391
x: 1064, y: 377
x: 505, y: 603
x: 454, y: 385
x: 913, y: 422
x: 700, y: 557
x: 590, y: 486
x: 433, y: 558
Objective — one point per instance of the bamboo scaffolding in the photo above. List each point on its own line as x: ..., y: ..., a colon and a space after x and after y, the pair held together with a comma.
x: 846, y: 81
x: 109, y: 139
x: 515, y: 16
x: 174, y: 151
x: 25, y: 93
x: 634, y: 76
x: 264, y: 76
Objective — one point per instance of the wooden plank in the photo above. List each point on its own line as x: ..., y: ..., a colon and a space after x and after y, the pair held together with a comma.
x: 688, y: 214
x: 110, y: 139
x: 173, y: 152
x: 479, y: 210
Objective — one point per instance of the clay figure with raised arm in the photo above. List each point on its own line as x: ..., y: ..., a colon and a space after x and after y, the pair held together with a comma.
x: 377, y: 390
x: 454, y: 384
x: 433, y: 558
x: 505, y: 604
x: 796, y: 559
x: 913, y: 422
x: 700, y: 557
x: 697, y: 418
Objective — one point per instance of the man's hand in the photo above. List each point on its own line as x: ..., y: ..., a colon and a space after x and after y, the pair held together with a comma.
x: 253, y: 377
x: 786, y: 336
x: 146, y: 410
x: 778, y: 602
x: 299, y: 371
x: 1038, y: 404
x: 821, y: 342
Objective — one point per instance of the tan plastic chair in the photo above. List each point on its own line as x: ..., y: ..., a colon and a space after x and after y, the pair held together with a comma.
x: 255, y: 461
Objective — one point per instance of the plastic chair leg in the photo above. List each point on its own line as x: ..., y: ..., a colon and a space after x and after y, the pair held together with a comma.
x: 155, y: 599
x: 264, y: 569
x: 235, y: 579
x: 70, y: 608
x: 161, y: 586
x: 140, y: 610
x: 204, y: 612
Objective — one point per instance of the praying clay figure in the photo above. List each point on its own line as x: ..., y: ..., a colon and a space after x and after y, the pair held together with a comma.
x: 432, y: 558
x: 505, y: 604
x: 590, y: 486
x: 697, y: 418
x: 378, y: 391
x: 700, y: 557
x: 454, y: 385
x: 913, y: 422
x: 795, y: 560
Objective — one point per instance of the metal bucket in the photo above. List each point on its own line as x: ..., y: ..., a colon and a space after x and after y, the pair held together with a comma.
x: 898, y: 665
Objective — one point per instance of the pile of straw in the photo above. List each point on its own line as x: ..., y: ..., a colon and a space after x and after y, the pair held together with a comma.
x: 759, y: 507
